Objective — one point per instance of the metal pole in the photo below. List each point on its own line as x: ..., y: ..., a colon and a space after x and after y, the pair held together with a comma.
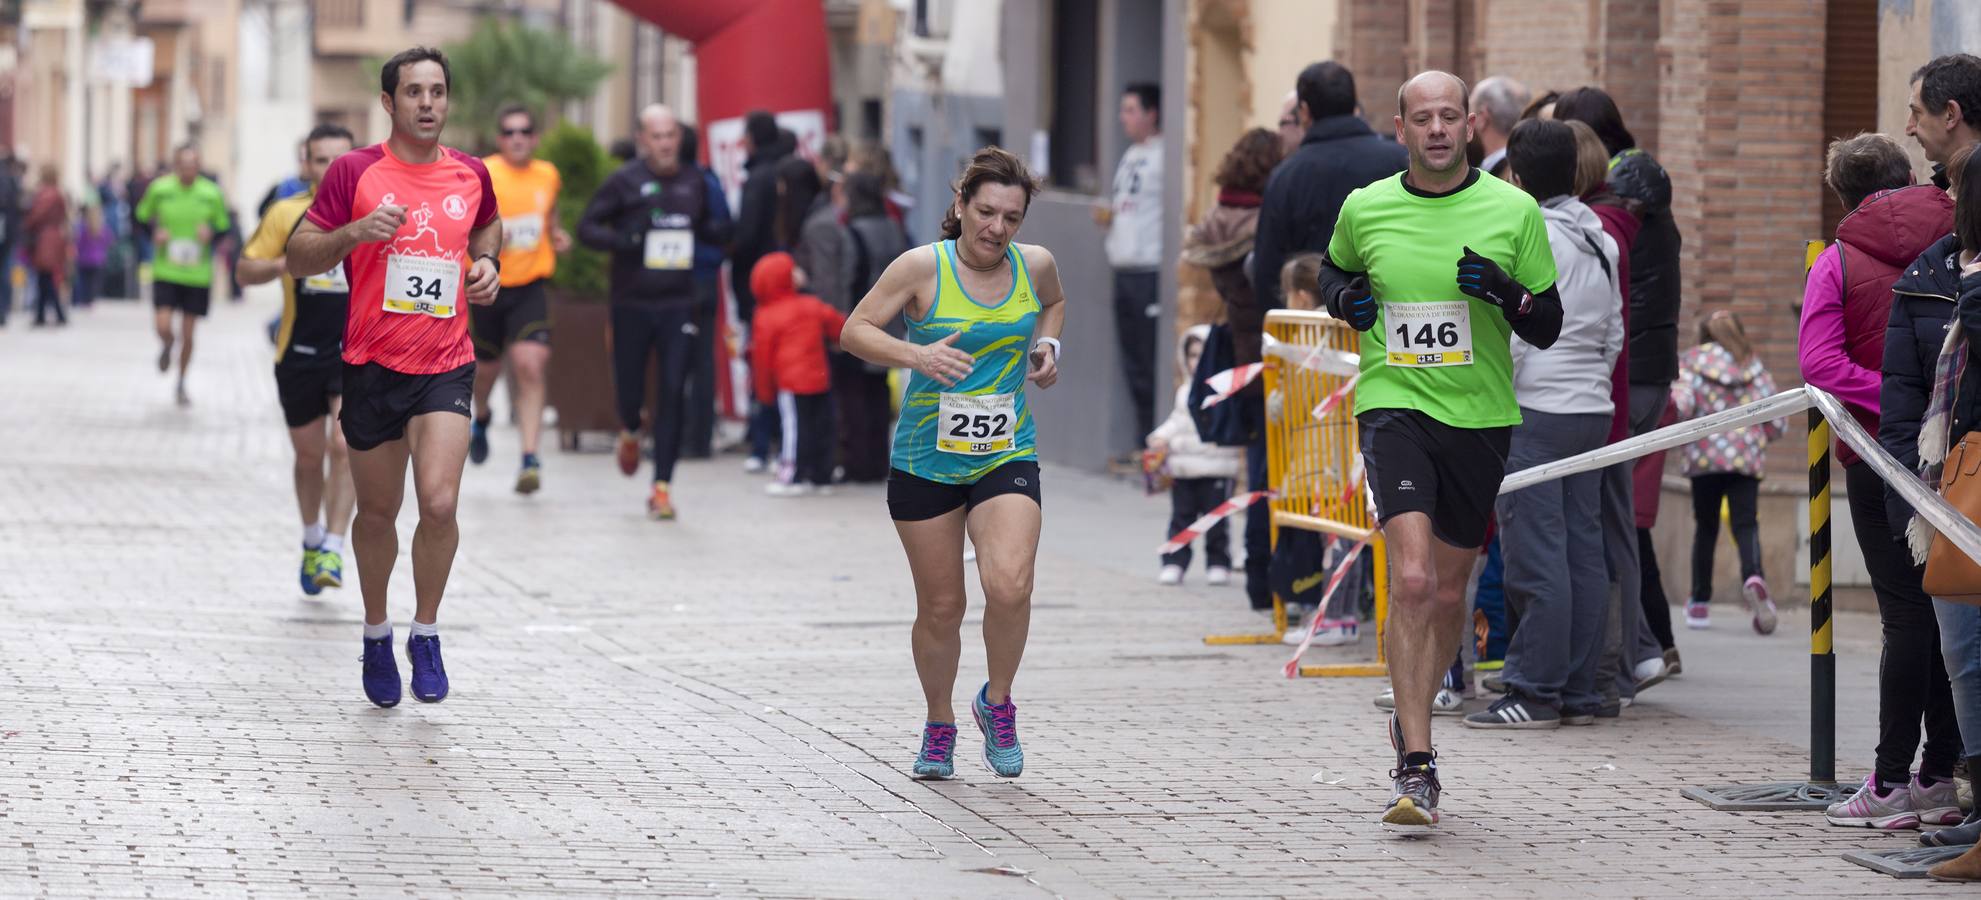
x: 1822, y: 652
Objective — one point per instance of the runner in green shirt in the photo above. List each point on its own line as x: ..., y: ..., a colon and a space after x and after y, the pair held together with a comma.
x: 185, y: 211
x: 1437, y: 267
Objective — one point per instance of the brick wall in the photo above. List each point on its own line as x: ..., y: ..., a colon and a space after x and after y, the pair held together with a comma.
x: 1369, y: 41
x: 1744, y: 157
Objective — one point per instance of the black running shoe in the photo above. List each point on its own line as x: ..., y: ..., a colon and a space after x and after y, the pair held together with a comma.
x: 1514, y: 711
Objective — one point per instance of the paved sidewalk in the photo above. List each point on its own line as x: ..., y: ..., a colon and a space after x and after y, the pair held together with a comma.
x: 726, y: 706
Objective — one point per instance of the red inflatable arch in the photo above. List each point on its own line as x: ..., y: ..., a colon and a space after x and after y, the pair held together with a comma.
x: 751, y: 54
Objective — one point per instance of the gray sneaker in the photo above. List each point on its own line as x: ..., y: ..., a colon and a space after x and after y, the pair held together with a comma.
x: 1514, y: 711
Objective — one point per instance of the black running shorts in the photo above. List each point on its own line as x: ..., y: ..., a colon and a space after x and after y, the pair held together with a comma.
x: 192, y: 301
x: 1418, y: 464
x: 378, y: 402
x: 520, y: 313
x: 306, y: 388
x: 911, y: 498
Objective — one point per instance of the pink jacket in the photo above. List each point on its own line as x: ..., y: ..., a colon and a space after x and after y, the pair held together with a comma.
x: 1710, y: 381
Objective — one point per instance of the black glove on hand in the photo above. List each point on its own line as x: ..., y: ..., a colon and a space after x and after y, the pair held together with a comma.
x: 1354, y: 304
x: 1482, y: 278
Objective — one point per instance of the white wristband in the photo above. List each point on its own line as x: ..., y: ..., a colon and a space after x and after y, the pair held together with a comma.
x: 1049, y: 342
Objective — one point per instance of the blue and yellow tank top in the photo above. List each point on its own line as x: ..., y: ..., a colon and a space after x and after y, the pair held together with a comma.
x: 959, y: 434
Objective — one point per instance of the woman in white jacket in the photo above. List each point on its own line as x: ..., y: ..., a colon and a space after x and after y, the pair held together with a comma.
x: 1551, y: 534
x: 1201, y: 473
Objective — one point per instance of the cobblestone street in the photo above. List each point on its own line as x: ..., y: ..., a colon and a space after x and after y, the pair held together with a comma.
x: 726, y: 706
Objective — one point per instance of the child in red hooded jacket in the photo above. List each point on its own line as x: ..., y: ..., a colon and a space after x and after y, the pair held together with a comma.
x: 788, y: 354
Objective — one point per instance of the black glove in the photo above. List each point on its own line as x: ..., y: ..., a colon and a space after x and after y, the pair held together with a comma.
x: 633, y: 240
x: 1482, y: 278
x: 1354, y: 304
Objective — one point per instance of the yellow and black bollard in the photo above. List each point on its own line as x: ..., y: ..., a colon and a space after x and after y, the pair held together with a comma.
x: 1822, y: 649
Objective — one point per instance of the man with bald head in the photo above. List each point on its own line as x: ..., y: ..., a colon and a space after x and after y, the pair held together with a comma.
x: 1439, y: 269
x: 1497, y: 102
x: 650, y: 215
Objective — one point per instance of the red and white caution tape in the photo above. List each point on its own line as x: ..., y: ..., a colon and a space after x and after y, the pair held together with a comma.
x: 1334, y: 399
x: 1341, y: 570
x: 1223, y: 511
x: 1226, y: 384
x: 1324, y: 360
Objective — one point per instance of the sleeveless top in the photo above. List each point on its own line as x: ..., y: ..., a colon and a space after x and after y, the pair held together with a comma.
x: 959, y: 434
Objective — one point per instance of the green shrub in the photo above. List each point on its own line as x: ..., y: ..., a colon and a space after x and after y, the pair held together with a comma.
x: 584, y: 165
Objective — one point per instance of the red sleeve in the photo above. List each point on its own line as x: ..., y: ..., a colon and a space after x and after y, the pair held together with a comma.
x: 761, y: 355
x: 487, y: 212
x: 332, y: 208
x: 833, y: 320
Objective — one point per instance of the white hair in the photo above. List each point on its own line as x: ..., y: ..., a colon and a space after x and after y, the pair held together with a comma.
x: 656, y: 112
x: 1501, y: 99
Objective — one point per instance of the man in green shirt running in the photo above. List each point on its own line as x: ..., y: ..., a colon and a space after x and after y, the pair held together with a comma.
x: 1438, y: 268
x: 185, y: 212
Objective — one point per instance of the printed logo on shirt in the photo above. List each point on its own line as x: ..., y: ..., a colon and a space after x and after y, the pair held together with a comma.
x: 1406, y: 485
x: 455, y: 207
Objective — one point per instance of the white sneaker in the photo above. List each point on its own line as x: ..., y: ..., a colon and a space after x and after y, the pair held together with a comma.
x: 1217, y: 576
x: 790, y: 489
x: 1446, y: 703
x: 1336, y: 632
x: 1698, y: 616
x: 1650, y: 672
x: 1755, y: 592
x: 754, y: 465
x: 1170, y: 575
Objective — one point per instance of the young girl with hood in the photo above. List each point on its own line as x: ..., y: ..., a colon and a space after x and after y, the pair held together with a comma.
x: 788, y: 358
x: 1721, y: 373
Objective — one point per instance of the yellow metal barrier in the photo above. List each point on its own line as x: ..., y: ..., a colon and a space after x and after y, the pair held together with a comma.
x: 1309, y: 463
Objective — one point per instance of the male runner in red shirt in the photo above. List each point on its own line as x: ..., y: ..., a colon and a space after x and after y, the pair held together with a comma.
x: 414, y: 225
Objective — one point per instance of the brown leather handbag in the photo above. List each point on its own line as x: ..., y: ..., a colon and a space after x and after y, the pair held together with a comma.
x: 1951, y: 574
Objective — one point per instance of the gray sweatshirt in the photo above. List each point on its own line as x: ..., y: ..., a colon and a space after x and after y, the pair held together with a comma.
x: 1573, y: 376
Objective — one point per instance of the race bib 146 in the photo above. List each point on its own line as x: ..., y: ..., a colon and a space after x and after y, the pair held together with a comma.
x: 1428, y: 335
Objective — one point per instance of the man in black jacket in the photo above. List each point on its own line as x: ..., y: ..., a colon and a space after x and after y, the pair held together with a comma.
x: 10, y: 224
x: 650, y: 215
x: 1303, y: 198
x: 756, y: 211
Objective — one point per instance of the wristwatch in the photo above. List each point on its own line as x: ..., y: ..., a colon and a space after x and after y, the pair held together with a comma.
x: 492, y: 258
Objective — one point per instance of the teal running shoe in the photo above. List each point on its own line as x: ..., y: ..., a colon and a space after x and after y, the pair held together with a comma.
x: 937, y: 761
x: 328, y: 570
x: 310, y: 585
x: 999, y: 723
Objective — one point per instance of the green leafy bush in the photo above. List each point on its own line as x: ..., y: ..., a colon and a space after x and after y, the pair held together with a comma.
x: 583, y: 164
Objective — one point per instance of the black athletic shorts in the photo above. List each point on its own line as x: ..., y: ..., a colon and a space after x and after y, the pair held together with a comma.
x: 1418, y: 464
x: 378, y: 402
x: 911, y: 498
x: 192, y: 301
x: 305, y: 388
x: 520, y: 313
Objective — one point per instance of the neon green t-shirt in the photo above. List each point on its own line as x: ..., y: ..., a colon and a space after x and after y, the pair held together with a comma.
x: 177, y: 210
x: 1433, y: 349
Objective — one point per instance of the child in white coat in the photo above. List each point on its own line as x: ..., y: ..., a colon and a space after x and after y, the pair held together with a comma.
x: 1202, y: 474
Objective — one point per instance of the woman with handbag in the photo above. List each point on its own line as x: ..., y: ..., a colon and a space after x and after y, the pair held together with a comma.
x: 1928, y: 396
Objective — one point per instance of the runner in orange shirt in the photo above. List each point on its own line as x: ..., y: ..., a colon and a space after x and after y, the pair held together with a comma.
x: 414, y: 226
x: 518, y: 324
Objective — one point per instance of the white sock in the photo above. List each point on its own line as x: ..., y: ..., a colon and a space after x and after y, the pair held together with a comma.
x: 333, y: 543
x: 381, y: 630
x: 428, y: 629
x: 313, y: 535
